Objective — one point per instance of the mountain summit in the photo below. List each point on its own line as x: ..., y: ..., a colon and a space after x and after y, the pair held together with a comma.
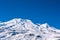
x: 24, y: 29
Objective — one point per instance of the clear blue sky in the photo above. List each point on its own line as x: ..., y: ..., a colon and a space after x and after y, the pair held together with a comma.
x: 39, y: 11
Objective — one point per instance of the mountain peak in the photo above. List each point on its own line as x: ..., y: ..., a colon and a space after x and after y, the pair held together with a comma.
x: 13, y: 29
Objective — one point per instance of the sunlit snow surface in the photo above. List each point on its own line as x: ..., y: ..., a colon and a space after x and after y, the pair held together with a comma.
x: 24, y: 29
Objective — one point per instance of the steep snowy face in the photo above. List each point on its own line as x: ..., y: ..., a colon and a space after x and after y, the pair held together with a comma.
x: 24, y: 29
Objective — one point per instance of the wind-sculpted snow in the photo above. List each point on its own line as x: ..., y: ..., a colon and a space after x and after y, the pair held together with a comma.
x: 24, y: 29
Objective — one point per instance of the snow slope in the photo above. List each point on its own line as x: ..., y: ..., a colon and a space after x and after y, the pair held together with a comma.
x: 24, y: 29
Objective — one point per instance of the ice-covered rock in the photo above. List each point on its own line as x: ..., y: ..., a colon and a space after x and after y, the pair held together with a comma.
x: 24, y: 29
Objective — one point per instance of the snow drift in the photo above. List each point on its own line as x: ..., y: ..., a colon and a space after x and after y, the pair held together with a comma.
x: 24, y: 29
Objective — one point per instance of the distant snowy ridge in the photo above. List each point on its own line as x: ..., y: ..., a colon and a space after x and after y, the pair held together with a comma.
x: 24, y: 29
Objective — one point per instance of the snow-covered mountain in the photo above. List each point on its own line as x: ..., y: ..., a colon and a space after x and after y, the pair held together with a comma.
x: 24, y: 29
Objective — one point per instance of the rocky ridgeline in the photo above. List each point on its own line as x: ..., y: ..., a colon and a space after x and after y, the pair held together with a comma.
x: 24, y: 29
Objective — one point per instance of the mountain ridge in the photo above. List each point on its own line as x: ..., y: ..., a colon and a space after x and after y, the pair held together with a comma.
x: 20, y: 26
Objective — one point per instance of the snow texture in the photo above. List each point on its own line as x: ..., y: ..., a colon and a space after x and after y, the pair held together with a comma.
x: 24, y: 29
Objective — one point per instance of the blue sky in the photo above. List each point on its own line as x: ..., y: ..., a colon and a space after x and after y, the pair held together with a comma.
x: 39, y: 11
